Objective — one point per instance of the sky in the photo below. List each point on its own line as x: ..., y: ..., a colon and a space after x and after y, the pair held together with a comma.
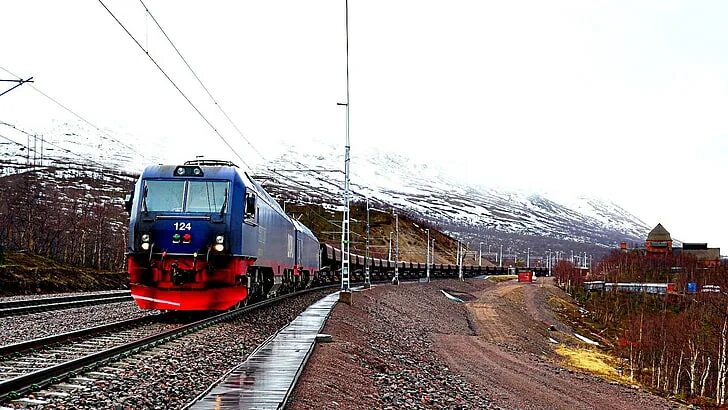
x: 622, y: 100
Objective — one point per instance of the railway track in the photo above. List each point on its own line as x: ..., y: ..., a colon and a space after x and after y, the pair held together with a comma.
x: 26, y: 368
x: 26, y: 357
x: 21, y: 307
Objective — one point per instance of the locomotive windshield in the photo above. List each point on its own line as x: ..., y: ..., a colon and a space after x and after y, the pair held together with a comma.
x: 185, y: 196
x: 206, y: 196
x: 164, y: 196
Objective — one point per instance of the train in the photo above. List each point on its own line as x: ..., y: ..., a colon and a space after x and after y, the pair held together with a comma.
x: 205, y: 236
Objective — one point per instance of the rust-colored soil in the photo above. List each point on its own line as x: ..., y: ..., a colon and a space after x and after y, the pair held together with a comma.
x: 410, y: 347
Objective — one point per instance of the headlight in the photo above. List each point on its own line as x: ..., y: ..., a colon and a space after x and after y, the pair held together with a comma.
x: 145, y: 246
x: 220, y: 239
x: 145, y: 237
x: 219, y: 247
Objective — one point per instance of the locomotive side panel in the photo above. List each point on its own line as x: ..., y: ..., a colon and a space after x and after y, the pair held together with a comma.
x: 268, y: 234
x: 308, y: 255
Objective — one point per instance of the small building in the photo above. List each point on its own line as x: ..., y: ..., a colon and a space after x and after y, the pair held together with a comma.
x: 659, y: 241
x: 707, y: 256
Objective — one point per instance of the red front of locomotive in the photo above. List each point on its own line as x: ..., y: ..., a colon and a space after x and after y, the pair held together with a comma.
x: 180, y: 243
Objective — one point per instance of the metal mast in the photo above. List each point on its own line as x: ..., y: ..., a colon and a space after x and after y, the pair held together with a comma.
x: 367, y: 280
x: 345, y: 232
x: 461, y: 255
x: 396, y: 250
x: 427, y: 261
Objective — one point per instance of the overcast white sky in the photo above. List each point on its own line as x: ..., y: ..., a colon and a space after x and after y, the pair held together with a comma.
x: 625, y: 100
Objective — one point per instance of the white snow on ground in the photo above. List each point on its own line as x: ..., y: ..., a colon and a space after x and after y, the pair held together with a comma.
x: 586, y: 339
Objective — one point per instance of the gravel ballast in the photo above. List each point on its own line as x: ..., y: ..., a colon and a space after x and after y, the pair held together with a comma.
x: 35, y: 325
x: 169, y: 376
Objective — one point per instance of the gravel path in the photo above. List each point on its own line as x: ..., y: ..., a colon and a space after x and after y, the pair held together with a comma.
x: 171, y: 375
x: 409, y: 347
x: 26, y: 327
x: 382, y: 355
x: 512, y: 361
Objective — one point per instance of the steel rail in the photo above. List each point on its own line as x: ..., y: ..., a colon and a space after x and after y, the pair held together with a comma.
x: 54, y: 299
x: 68, y: 336
x: 19, y: 307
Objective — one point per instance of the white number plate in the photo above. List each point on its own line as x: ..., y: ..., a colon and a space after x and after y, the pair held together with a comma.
x: 182, y: 226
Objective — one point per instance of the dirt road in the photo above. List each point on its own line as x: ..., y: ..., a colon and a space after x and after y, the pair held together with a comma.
x: 512, y: 360
x: 411, y: 347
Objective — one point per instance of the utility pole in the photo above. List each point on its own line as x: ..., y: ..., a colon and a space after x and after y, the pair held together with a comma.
x: 528, y: 257
x: 389, y: 255
x: 432, y: 256
x: 345, y: 293
x: 549, y: 262
x: 480, y: 254
x: 396, y: 249
x: 461, y: 253
x: 500, y: 259
x: 427, y: 262
x: 367, y: 280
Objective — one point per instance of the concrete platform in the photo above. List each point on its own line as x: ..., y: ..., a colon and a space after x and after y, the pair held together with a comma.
x: 268, y: 376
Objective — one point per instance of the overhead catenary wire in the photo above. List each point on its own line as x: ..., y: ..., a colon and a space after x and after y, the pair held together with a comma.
x: 174, y: 84
x: 78, y: 116
x: 204, y: 87
x: 149, y: 13
x: 219, y: 107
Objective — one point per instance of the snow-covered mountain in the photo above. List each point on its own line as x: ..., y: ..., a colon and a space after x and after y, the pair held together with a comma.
x: 427, y: 191
x: 308, y: 173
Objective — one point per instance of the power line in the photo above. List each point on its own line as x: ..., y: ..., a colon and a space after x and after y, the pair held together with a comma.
x: 174, y: 84
x: 19, y: 82
x: 200, y: 81
x: 78, y: 116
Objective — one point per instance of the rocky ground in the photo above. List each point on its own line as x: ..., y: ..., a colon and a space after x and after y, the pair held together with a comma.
x: 22, y: 273
x: 410, y: 347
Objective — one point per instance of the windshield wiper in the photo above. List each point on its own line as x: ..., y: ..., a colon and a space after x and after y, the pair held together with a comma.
x: 144, y: 200
x: 224, y: 204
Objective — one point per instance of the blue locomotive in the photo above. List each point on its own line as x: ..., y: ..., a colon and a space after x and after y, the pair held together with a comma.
x: 206, y: 236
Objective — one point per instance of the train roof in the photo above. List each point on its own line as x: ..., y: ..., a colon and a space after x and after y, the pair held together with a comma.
x: 303, y: 228
x: 212, y: 172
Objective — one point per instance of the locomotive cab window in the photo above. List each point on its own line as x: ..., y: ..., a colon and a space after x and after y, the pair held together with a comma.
x: 164, y: 196
x: 206, y: 196
x: 185, y: 196
x: 250, y: 207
